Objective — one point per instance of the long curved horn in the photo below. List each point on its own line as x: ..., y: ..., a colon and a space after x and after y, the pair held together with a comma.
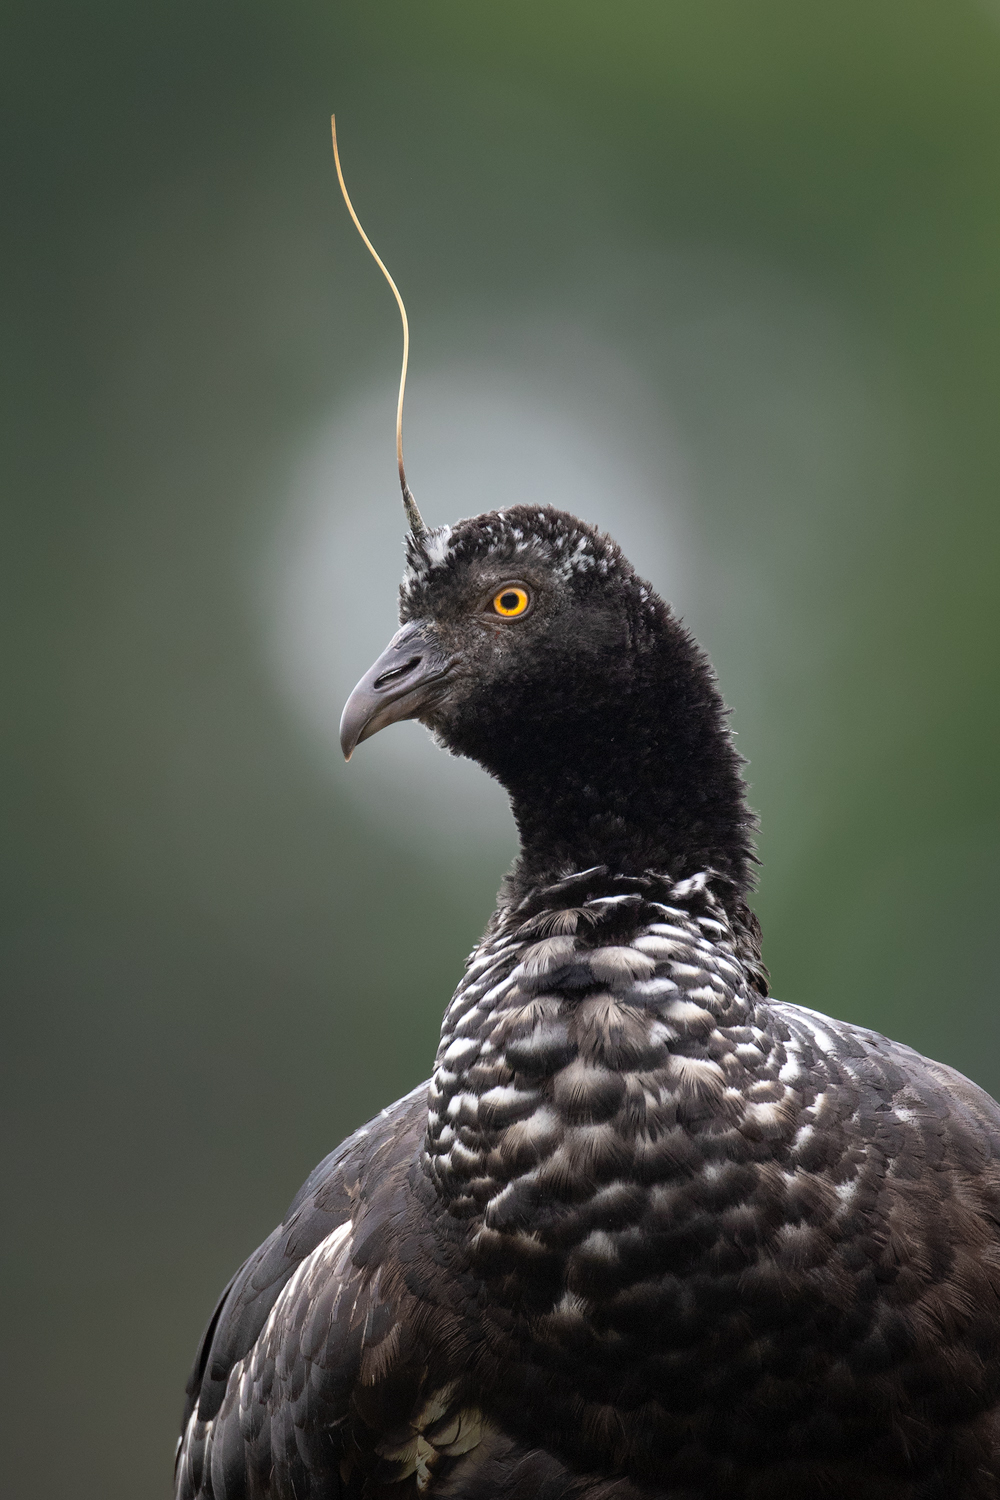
x: 414, y: 518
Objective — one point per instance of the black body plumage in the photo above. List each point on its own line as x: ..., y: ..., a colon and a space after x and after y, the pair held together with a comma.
x: 646, y: 1232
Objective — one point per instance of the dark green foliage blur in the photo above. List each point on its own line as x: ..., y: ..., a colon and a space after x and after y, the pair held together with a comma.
x: 214, y: 963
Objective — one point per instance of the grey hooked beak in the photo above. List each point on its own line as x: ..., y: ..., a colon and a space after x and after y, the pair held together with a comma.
x: 406, y: 678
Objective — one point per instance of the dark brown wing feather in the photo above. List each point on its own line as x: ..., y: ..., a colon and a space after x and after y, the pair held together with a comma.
x: 271, y: 1390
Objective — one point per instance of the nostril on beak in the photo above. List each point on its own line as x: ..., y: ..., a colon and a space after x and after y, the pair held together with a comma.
x: 395, y: 673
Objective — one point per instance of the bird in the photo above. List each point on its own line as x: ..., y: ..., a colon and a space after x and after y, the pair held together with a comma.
x: 646, y: 1233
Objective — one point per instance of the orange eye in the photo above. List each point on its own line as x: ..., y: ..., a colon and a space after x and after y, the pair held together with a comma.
x: 511, y: 601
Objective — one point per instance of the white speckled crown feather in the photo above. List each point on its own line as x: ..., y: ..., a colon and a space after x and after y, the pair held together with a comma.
x: 570, y: 549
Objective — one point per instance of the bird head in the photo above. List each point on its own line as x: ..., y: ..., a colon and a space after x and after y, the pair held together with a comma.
x: 509, y: 622
x: 529, y: 644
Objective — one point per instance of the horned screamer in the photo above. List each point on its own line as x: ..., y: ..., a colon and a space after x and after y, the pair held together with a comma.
x: 645, y: 1234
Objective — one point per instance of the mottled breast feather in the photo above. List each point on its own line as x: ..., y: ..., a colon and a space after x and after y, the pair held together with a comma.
x: 645, y: 1233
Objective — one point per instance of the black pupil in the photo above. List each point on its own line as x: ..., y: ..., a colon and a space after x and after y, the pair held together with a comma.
x: 509, y: 601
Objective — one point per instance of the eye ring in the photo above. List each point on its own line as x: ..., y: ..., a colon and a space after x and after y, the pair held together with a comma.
x: 511, y: 601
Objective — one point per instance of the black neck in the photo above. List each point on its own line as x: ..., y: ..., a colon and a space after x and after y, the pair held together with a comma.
x: 635, y: 771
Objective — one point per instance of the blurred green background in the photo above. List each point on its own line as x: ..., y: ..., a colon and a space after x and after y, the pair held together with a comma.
x: 749, y: 253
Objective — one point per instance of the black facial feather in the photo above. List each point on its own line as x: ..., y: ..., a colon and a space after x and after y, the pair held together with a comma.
x: 597, y: 711
x: 645, y: 1234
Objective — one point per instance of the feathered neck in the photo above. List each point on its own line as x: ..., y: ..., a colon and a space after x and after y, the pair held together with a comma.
x: 632, y: 767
